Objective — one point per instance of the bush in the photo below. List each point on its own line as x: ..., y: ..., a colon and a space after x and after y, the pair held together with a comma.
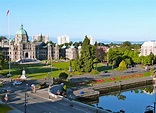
x: 63, y: 76
x: 44, y: 85
x: 1, y: 84
x: 94, y: 72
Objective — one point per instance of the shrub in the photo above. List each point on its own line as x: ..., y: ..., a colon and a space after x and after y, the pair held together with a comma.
x: 63, y: 76
x: 94, y: 72
x: 43, y: 85
x: 122, y: 65
x: 64, y: 87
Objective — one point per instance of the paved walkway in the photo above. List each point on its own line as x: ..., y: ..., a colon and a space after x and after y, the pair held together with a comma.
x: 43, y: 93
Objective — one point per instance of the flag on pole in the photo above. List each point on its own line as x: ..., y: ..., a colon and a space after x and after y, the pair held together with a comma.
x: 7, y: 12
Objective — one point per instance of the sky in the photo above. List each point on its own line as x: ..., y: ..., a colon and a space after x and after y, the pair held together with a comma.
x: 116, y: 20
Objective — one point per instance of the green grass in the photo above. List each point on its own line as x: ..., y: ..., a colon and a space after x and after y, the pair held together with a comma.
x: 102, y: 67
x: 4, y: 108
x: 62, y: 65
x: 35, y: 71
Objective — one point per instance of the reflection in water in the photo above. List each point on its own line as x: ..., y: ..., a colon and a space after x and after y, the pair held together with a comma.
x: 131, y: 101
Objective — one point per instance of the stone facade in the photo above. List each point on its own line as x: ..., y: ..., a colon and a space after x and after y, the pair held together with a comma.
x: 71, y: 53
x: 21, y: 48
x: 147, y: 48
x: 40, y: 38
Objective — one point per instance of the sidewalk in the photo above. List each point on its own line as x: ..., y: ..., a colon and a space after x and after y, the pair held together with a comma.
x: 43, y: 93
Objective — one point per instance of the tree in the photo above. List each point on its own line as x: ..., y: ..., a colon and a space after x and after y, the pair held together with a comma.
x: 95, y: 62
x: 77, y: 62
x: 85, y: 62
x: 100, y: 54
x: 41, y: 38
x: 122, y: 65
x: 2, y: 61
x: 126, y: 44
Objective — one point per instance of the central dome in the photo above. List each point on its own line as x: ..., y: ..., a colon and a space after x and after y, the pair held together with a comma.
x: 21, y: 31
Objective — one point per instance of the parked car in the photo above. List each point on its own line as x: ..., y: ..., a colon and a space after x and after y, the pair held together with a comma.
x: 16, y: 83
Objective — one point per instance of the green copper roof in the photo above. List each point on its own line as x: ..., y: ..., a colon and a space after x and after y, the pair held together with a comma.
x: 21, y: 31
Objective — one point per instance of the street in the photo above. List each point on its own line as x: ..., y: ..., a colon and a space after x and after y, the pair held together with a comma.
x: 40, y: 103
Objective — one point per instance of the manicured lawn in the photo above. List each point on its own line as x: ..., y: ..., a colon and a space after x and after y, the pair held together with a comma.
x: 4, y: 108
x: 36, y: 71
x: 102, y: 67
x: 62, y: 65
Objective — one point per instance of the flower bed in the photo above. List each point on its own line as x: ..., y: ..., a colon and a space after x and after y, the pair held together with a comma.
x: 118, y: 78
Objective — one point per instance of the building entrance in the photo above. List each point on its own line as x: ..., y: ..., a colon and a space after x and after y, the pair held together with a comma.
x: 26, y: 55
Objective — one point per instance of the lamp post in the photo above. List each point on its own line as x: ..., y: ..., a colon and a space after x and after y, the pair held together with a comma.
x: 25, y: 98
x: 70, y: 98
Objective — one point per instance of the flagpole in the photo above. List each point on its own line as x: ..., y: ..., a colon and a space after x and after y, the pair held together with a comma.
x: 9, y: 37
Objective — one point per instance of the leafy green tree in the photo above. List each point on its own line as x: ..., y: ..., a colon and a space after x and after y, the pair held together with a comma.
x: 126, y: 43
x: 127, y: 61
x: 122, y: 65
x: 147, y: 60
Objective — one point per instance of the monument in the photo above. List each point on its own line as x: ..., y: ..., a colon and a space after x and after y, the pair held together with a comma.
x: 23, y: 74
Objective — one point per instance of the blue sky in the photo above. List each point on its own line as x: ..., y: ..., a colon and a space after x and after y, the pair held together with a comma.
x: 117, y: 20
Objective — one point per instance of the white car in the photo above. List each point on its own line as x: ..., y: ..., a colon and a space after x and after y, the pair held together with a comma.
x: 16, y: 83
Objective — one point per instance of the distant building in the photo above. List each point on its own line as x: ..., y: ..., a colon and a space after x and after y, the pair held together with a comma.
x: 147, y: 48
x: 63, y: 39
x: 40, y: 38
x: 71, y: 53
x: 103, y: 48
x: 92, y: 42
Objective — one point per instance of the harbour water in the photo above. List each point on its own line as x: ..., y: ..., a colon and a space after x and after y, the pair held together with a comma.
x: 131, y: 101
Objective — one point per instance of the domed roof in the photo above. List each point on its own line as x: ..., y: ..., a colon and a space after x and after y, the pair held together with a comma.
x: 21, y: 31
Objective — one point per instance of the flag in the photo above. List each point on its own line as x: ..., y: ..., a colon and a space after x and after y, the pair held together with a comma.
x: 7, y: 13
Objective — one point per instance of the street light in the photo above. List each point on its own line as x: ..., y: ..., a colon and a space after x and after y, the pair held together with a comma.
x: 25, y: 97
x: 70, y: 98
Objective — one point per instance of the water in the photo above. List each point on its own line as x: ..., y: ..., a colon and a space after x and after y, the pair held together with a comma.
x: 132, y: 101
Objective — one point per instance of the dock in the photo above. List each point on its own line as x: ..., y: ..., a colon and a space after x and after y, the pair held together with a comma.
x: 93, y: 92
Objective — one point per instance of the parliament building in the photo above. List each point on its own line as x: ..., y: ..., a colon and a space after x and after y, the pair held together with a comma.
x: 21, y: 48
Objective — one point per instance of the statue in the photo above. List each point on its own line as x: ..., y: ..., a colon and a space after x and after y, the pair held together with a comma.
x: 23, y: 74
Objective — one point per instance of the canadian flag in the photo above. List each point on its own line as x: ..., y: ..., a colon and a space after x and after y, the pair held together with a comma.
x: 7, y: 12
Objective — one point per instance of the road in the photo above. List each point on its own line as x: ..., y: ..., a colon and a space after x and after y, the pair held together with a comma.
x: 40, y: 103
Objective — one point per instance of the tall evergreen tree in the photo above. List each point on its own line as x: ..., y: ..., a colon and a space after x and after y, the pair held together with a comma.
x: 85, y: 62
